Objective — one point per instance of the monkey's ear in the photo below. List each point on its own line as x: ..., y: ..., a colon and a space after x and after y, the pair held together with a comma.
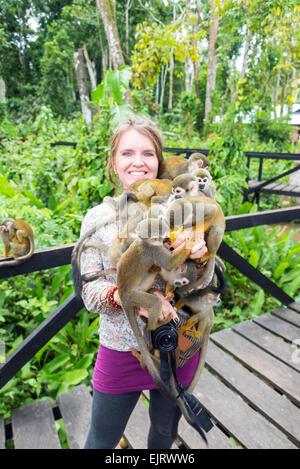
x: 209, y: 297
x: 183, y: 268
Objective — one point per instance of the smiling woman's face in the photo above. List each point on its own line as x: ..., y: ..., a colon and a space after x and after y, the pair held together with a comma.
x: 135, y: 158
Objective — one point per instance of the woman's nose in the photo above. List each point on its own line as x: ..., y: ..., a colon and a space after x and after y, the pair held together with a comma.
x: 138, y: 160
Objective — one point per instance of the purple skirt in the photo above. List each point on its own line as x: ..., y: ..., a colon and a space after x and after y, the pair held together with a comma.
x: 118, y: 372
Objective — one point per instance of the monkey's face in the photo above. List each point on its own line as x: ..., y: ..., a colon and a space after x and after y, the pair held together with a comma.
x: 182, y: 282
x: 183, y: 188
x: 203, y: 178
x: 202, y: 182
x: 7, y: 225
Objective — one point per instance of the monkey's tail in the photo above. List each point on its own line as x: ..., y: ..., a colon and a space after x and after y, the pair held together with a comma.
x: 89, y: 278
x: 222, y: 285
x: 21, y: 259
x: 83, y: 243
x: 125, y: 198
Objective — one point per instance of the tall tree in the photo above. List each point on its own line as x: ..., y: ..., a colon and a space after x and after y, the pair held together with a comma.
x: 82, y: 85
x: 107, y: 10
x: 212, y: 60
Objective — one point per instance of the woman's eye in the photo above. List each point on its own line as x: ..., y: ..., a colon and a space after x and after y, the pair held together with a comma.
x: 126, y: 153
x: 149, y: 153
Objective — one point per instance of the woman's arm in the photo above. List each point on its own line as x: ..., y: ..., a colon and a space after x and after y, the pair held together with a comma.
x: 94, y: 293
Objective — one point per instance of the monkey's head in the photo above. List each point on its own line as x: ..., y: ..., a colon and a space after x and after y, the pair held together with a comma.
x: 198, y: 160
x: 183, y: 185
x: 7, y: 225
x: 186, y: 274
x: 203, y: 178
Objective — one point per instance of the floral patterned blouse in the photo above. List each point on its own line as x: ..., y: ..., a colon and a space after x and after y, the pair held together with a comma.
x: 114, y: 332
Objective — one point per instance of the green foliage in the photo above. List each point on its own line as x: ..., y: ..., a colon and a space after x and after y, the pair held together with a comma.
x: 276, y: 130
x: 57, y: 70
x: 109, y: 94
x: 276, y: 256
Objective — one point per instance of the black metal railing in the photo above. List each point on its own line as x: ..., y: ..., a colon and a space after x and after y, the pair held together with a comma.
x: 54, y: 257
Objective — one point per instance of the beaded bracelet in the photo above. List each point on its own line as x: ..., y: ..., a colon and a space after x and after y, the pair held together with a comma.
x: 110, y: 298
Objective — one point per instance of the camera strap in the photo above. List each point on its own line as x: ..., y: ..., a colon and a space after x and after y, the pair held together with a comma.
x: 200, y: 420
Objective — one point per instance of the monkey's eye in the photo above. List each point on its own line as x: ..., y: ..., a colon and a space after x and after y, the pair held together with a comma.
x: 205, y: 179
x: 177, y: 190
x: 184, y: 281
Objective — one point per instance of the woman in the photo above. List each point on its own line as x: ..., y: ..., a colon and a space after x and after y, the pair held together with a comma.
x: 136, y: 152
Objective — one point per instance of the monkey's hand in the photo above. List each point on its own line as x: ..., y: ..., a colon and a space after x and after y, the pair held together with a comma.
x: 199, y: 248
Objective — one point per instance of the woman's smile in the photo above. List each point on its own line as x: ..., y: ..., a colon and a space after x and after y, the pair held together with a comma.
x: 135, y: 158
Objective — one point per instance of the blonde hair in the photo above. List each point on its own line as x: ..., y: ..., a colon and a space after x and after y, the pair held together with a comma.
x: 144, y: 126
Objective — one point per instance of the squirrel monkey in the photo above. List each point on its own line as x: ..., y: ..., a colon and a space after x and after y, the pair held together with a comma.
x: 176, y: 165
x: 143, y: 190
x: 205, y: 183
x: 191, y: 184
x: 207, y: 218
x: 133, y: 282
x: 17, y: 236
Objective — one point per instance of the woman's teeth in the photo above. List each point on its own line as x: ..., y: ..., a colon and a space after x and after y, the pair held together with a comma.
x: 137, y: 173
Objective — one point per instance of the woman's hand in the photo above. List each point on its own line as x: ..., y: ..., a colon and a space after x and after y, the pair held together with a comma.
x: 167, y: 311
x: 199, y: 248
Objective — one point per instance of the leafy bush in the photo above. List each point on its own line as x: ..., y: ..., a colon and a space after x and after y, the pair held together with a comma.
x: 276, y: 130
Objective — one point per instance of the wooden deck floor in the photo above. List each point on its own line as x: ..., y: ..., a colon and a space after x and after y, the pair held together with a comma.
x: 250, y: 388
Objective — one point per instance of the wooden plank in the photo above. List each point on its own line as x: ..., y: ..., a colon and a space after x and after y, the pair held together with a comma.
x: 246, y: 425
x: 215, y: 437
x: 276, y: 408
x: 280, y: 375
x: 274, y: 188
x: 287, y: 315
x: 278, y: 326
x: 2, y: 432
x: 33, y: 426
x: 76, y: 407
x: 295, y: 306
x: 191, y: 439
x: 268, y: 342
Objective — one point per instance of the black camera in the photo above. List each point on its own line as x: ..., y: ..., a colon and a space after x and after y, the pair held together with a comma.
x: 165, y: 338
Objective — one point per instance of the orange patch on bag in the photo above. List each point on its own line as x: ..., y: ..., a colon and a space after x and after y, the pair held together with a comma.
x: 184, y: 343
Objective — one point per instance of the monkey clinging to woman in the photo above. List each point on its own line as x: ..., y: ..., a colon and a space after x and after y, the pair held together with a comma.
x: 118, y: 378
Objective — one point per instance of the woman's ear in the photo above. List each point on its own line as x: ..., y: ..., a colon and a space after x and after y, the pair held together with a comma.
x: 115, y: 169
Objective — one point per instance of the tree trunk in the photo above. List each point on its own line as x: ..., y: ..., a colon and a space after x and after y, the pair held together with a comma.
x: 170, y: 102
x: 90, y: 67
x: 162, y: 86
x: 82, y: 86
x: 283, y: 91
x: 2, y: 91
x: 157, y: 91
x: 127, y: 8
x: 212, y: 61
x: 107, y: 10
x: 227, y: 88
x: 243, y: 71
x: 275, y: 95
x: 187, y: 69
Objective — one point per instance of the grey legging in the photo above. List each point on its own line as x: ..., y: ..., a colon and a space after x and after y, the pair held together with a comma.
x: 111, y: 412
